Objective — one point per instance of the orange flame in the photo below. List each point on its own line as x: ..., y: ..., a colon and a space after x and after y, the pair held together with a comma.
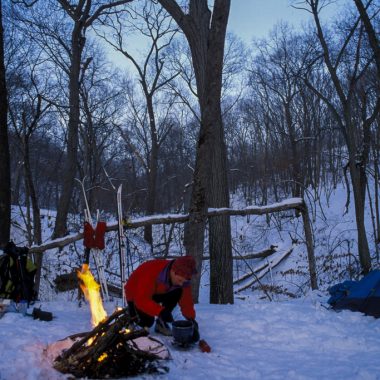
x: 102, y: 357
x: 91, y: 291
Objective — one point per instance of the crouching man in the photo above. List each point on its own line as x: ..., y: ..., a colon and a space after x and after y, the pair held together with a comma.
x: 156, y: 287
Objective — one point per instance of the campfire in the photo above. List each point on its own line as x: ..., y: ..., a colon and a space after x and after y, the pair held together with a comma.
x: 114, y: 348
x: 90, y: 289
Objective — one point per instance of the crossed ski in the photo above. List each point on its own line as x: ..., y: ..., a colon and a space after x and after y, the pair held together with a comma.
x: 122, y: 245
x: 96, y: 252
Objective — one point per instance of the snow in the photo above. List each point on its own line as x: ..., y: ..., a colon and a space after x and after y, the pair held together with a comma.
x: 254, y: 338
x: 251, y: 339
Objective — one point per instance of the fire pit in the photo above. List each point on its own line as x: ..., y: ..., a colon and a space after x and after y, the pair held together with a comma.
x: 114, y: 348
x: 111, y: 350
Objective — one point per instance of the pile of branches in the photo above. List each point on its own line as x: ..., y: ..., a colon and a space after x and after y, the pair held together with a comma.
x: 108, y: 351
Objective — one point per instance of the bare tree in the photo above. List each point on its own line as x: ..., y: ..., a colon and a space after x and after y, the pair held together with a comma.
x: 61, y: 31
x: 102, y: 107
x: 83, y: 15
x: 274, y: 72
x: 5, y: 175
x: 205, y: 32
x: 370, y: 30
x: 155, y: 27
x: 375, y: 45
x: 24, y: 127
x: 347, y: 67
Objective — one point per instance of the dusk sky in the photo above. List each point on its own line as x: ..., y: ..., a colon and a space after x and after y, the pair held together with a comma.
x: 249, y: 19
x: 255, y: 18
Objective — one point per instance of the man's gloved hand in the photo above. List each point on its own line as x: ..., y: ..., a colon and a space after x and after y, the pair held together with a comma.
x: 166, y: 316
x: 196, y: 335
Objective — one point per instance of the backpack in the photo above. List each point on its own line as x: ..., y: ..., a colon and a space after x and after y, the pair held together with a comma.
x: 17, y: 274
x: 363, y: 295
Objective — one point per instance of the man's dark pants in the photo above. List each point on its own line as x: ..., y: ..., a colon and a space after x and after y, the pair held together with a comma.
x: 167, y: 300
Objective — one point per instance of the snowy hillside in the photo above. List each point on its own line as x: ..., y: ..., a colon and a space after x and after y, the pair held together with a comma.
x: 334, y: 245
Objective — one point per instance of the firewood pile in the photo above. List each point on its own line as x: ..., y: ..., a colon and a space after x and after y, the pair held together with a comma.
x: 111, y: 350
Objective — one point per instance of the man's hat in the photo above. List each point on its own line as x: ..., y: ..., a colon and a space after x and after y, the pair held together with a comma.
x: 184, y: 266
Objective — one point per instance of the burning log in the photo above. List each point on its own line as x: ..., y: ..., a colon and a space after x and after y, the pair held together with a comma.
x: 111, y: 350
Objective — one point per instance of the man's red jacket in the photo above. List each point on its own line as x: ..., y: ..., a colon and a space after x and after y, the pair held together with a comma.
x: 152, y: 277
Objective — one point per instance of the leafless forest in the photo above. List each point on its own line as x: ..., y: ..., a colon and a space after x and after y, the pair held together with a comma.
x: 186, y: 115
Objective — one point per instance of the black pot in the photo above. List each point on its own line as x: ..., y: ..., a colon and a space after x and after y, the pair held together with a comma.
x: 183, y: 331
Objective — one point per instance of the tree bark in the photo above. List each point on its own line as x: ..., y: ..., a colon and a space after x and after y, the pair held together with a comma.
x: 370, y: 30
x: 296, y: 170
x: 206, y: 33
x: 77, y: 41
x: 5, y: 174
x: 359, y: 182
x: 37, y: 233
x: 152, y: 167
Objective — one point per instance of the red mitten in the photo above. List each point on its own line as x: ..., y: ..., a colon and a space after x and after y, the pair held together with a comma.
x: 88, y: 236
x: 99, y: 235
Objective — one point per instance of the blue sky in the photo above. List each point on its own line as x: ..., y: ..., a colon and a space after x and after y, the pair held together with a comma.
x: 255, y: 18
x: 252, y: 19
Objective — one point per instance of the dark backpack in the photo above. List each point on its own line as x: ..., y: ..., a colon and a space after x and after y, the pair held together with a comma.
x: 363, y: 295
x: 17, y: 274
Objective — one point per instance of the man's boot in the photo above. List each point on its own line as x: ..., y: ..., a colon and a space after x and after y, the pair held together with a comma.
x: 162, y: 327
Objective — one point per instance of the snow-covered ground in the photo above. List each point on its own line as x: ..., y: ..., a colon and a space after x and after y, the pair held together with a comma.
x: 252, y: 339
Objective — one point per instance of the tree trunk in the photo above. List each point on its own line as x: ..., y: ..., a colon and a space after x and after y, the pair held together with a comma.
x: 371, y: 32
x: 220, y: 249
x: 69, y: 171
x: 296, y: 170
x: 221, y: 277
x: 357, y: 164
x: 37, y: 233
x: 5, y: 174
x: 377, y: 196
x: 359, y: 200
x: 207, y: 48
x: 37, y: 237
x: 152, y: 169
x: 206, y: 38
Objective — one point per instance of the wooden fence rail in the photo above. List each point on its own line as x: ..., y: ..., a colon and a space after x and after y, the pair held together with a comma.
x: 288, y: 204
